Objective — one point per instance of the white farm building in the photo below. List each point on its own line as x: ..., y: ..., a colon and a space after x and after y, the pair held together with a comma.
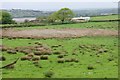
x: 80, y: 19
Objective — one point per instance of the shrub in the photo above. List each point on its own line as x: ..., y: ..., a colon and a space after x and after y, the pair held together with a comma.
x: 105, y: 50
x: 35, y: 58
x: 74, y: 53
x: 25, y: 58
x: 2, y: 58
x: 30, y: 55
x: 4, y: 49
x: 76, y: 60
x: 61, y: 56
x: 57, y: 52
x: 35, y: 62
x: 47, y: 52
x: 73, y: 59
x: 38, y: 43
x: 67, y: 60
x: 29, y: 43
x: 100, y: 51
x: 26, y: 51
x: 49, y: 74
x: 44, y: 51
x: 44, y: 57
x: 61, y: 60
x: 54, y: 46
x: 11, y: 52
x: 90, y: 67
x: 37, y: 53
x: 110, y: 59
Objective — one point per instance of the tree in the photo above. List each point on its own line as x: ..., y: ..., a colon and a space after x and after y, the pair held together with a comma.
x: 6, y: 18
x: 65, y: 14
x: 52, y: 17
x: 42, y: 18
x: 26, y: 21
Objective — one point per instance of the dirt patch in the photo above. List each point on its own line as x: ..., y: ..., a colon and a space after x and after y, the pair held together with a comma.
x: 56, y: 33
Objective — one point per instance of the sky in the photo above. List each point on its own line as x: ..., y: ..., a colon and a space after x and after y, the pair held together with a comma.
x: 59, y: 0
x: 51, y: 6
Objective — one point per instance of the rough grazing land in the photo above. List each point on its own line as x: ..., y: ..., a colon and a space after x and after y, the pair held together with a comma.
x: 56, y: 33
x: 86, y: 57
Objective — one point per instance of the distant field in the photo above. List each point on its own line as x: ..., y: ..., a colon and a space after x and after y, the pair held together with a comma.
x: 92, y: 25
x: 109, y: 17
x: 79, y: 57
x: 105, y: 64
x: 96, y: 25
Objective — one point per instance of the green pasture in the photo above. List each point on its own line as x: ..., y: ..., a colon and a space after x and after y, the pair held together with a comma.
x: 106, y: 17
x: 91, y: 25
x: 103, y: 67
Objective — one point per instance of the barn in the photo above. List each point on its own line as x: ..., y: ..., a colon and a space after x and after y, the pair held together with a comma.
x: 80, y: 19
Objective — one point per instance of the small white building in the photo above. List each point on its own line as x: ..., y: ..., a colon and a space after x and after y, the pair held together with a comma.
x: 80, y: 19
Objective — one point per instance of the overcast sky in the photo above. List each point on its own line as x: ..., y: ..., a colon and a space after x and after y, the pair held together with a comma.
x: 48, y: 6
x: 59, y: 0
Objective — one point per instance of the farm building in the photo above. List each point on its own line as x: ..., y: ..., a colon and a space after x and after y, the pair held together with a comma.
x: 80, y: 19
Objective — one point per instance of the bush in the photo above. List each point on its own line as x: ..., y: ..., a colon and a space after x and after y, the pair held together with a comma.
x: 110, y: 59
x: 44, y: 57
x: 26, y: 51
x: 6, y: 18
x: 30, y: 55
x: 90, y: 67
x: 25, y: 58
x: 49, y: 74
x: 2, y: 58
x: 61, y: 56
x: 61, y: 60
x: 4, y: 49
x: 11, y: 52
x: 57, y: 52
x: 37, y: 53
x: 76, y: 60
x: 68, y: 60
x: 35, y: 58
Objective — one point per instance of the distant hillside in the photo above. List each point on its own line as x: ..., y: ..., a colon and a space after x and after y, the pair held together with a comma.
x: 96, y: 12
x: 19, y: 13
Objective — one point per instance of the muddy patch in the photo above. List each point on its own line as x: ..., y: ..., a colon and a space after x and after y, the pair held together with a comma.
x: 56, y: 33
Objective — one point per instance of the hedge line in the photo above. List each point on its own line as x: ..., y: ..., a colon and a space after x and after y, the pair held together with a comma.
x: 21, y: 25
x: 104, y: 20
x: 44, y: 24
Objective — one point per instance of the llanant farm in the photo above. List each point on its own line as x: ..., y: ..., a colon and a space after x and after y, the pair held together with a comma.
x: 81, y: 50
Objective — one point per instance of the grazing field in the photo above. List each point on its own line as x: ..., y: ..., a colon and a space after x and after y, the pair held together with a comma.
x: 91, y: 25
x: 106, y: 17
x: 81, y: 50
x: 86, y: 57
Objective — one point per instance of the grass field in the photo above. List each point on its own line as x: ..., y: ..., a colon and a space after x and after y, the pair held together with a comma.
x: 103, y: 67
x: 107, y: 17
x: 85, y: 57
x: 92, y: 25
